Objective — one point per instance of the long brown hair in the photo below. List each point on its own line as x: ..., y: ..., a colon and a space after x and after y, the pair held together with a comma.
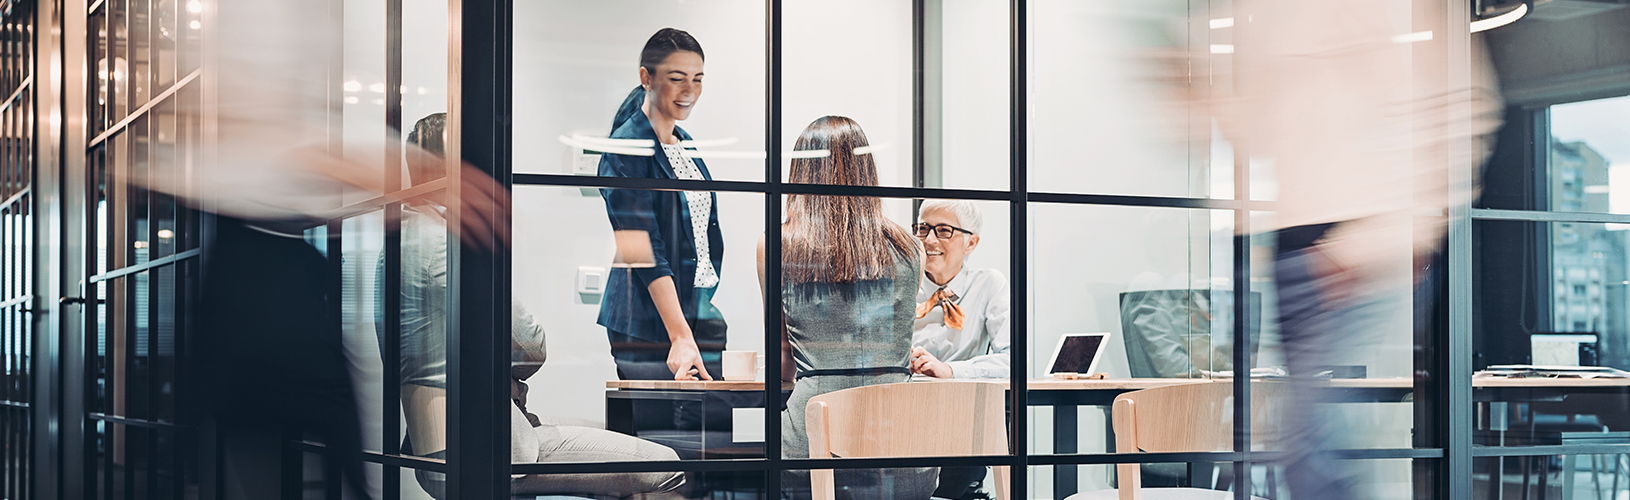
x: 838, y: 239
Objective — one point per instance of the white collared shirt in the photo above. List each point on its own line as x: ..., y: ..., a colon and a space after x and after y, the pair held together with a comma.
x: 980, y: 348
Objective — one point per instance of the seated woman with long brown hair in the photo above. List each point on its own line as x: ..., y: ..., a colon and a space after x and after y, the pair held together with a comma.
x: 849, y: 283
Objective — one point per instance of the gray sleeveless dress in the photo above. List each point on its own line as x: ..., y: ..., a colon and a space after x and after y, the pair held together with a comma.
x: 844, y: 336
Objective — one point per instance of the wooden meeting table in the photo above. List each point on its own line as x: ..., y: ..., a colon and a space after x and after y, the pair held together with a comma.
x: 1065, y: 397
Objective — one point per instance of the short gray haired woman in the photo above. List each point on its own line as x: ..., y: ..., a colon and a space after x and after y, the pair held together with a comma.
x: 962, y: 313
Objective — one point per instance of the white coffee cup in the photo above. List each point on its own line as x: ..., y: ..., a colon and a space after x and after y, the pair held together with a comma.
x: 740, y: 365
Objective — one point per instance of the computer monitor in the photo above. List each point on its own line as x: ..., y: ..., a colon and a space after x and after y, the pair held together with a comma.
x: 1562, y: 349
x: 1179, y: 332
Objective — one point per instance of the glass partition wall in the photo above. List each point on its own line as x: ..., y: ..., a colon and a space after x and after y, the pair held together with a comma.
x: 1104, y: 210
x: 1117, y: 212
x: 17, y: 211
x: 1051, y: 160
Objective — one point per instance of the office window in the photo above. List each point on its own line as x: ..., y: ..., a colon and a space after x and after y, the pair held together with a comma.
x: 1589, y: 296
x: 1579, y: 320
x: 1587, y: 147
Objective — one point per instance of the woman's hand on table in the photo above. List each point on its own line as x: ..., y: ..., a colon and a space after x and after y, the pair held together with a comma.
x: 923, y: 363
x: 685, y: 360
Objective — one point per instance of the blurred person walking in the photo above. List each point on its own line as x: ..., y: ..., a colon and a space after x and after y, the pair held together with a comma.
x: 267, y: 361
x: 1366, y: 125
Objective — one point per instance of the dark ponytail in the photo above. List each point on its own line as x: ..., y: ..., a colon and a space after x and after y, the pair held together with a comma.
x: 631, y: 105
x: 664, y: 43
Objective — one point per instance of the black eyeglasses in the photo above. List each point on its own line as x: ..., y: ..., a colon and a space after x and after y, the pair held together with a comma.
x: 942, y: 231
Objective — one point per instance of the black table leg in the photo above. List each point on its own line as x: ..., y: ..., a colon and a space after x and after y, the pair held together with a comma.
x: 620, y: 415
x: 1065, y: 426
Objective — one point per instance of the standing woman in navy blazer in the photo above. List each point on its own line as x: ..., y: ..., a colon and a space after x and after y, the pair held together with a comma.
x: 658, y: 311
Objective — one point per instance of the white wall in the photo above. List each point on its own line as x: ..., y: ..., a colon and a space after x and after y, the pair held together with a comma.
x: 574, y: 63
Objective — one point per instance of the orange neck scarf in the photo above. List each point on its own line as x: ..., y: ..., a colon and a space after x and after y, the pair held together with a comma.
x: 943, y: 298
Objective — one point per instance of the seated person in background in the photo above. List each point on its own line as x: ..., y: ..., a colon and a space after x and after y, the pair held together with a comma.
x: 848, y: 279
x: 424, y: 366
x: 961, y: 329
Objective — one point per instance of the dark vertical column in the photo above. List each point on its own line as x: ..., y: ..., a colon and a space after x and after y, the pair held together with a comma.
x: 1019, y: 20
x: 48, y: 318
x: 1243, y: 321
x: 1538, y: 166
x: 333, y: 479
x: 389, y: 280
x: 772, y: 246
x: 64, y: 190
x: 918, y: 177
x: 1456, y: 358
x: 478, y: 281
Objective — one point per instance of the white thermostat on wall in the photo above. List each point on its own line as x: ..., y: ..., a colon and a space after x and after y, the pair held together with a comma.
x: 580, y: 161
x: 583, y: 162
x: 591, y: 280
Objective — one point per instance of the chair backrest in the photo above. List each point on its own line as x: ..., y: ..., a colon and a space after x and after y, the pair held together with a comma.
x: 915, y: 419
x: 1190, y: 418
x: 425, y: 409
x: 1195, y: 417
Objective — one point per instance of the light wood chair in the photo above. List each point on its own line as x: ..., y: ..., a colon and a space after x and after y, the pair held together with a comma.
x: 1185, y: 418
x: 916, y: 419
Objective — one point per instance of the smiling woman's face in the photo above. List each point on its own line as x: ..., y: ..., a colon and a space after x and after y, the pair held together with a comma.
x: 944, y: 258
x: 672, y: 90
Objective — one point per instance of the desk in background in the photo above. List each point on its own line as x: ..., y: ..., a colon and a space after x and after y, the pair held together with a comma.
x: 1065, y: 397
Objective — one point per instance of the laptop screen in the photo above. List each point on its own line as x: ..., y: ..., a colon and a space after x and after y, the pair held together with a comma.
x: 1562, y: 349
x: 1075, y: 355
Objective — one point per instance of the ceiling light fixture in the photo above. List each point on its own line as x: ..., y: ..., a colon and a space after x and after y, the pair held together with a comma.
x: 1501, y: 20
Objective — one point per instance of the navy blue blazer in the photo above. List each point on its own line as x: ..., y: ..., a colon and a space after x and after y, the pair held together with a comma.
x: 664, y: 215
